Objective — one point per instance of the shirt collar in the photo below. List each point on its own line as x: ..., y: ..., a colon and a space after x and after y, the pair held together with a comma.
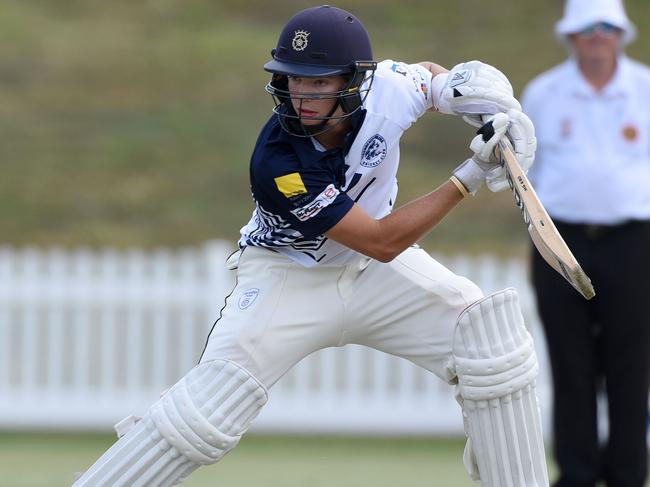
x: 305, y: 149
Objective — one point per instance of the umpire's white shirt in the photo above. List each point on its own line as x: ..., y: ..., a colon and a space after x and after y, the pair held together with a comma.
x: 593, y: 157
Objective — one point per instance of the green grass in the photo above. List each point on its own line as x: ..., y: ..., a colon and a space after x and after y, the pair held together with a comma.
x: 131, y: 123
x: 50, y: 460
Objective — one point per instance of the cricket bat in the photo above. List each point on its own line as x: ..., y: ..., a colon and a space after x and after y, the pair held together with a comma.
x: 541, y: 228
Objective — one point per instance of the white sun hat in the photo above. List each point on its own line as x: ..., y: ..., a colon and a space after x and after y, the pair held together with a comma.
x: 579, y: 14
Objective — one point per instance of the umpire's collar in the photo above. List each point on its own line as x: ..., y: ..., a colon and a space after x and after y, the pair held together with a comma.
x: 621, y: 84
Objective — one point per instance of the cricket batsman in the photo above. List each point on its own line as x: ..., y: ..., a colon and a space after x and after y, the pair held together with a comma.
x: 326, y: 260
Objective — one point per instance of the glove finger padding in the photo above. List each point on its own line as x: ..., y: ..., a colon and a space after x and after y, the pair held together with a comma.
x: 472, y: 172
x: 521, y: 133
x: 473, y: 89
x: 488, y: 137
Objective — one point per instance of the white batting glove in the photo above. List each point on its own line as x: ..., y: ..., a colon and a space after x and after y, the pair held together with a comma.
x: 521, y: 133
x: 473, y: 172
x: 473, y: 89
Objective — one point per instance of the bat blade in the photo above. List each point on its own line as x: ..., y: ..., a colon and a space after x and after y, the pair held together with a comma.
x: 542, y: 230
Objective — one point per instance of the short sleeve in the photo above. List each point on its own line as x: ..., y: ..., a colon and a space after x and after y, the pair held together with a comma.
x: 308, y: 200
x: 403, y: 91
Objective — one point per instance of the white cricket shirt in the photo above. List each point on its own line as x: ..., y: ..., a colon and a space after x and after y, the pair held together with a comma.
x: 593, y: 155
x: 301, y: 190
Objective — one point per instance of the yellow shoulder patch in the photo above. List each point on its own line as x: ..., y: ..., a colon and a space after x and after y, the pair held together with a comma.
x: 290, y: 184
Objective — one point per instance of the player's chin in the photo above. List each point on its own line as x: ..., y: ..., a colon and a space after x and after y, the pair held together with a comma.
x: 310, y: 121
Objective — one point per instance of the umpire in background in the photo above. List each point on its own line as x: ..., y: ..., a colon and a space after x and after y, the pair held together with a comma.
x: 592, y: 172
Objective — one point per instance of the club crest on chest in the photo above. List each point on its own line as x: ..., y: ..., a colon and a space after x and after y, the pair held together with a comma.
x: 374, y: 151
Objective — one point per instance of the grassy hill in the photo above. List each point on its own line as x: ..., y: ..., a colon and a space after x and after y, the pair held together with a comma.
x: 131, y: 123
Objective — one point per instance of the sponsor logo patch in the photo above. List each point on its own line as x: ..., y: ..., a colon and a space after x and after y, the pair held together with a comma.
x: 248, y: 298
x: 399, y: 68
x: 321, y: 201
x: 374, y: 151
x: 419, y: 82
x: 300, y: 199
x: 300, y: 41
x: 290, y: 185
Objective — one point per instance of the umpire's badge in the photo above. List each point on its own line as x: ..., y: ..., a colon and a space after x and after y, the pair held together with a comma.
x: 248, y: 298
x: 374, y: 151
x: 630, y: 133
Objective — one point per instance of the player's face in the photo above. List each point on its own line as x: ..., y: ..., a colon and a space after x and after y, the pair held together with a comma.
x: 312, y: 98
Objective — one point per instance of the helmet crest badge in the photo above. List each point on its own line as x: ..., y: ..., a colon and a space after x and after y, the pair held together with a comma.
x: 300, y: 41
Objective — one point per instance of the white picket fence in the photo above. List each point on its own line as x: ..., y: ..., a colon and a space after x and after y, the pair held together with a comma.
x: 90, y: 336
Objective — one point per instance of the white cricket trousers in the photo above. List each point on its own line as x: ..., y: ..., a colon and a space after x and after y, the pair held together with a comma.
x: 279, y: 311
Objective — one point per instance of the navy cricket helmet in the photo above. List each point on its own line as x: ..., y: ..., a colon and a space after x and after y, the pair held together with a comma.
x: 320, y: 42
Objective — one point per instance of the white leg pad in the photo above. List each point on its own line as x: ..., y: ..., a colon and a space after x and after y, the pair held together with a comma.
x: 196, y: 422
x: 496, y: 367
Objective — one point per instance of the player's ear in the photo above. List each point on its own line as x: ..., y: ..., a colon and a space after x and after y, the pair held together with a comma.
x: 350, y: 99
